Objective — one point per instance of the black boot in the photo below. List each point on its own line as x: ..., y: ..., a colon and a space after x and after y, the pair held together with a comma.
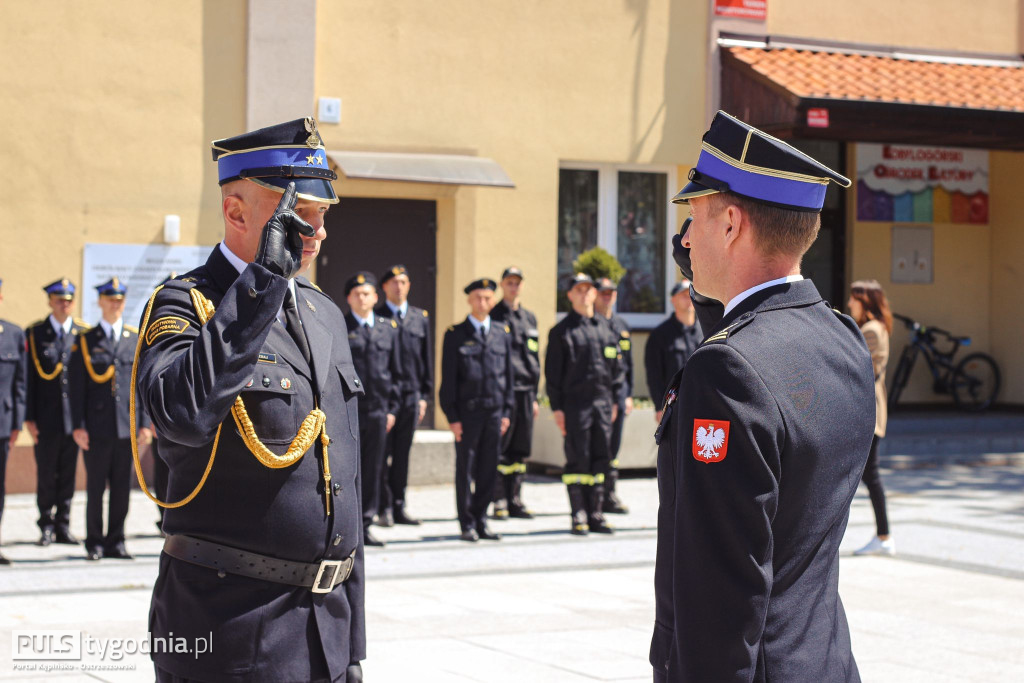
x: 516, y: 507
x: 612, y: 504
x: 500, y: 496
x: 578, y: 507
x: 400, y: 516
x: 595, y: 512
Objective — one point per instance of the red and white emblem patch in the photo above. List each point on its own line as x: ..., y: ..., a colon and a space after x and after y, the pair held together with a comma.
x: 710, y: 440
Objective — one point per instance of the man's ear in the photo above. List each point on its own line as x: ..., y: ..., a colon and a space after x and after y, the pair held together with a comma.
x: 737, y: 224
x: 234, y: 210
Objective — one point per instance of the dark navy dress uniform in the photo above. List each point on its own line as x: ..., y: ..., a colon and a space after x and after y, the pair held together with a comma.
x: 416, y: 382
x: 100, y: 392
x: 621, y: 330
x: 518, y: 440
x: 668, y: 347
x: 275, y: 520
x: 49, y: 406
x: 12, y: 393
x: 761, y: 446
x: 476, y: 390
x: 585, y: 377
x: 376, y: 353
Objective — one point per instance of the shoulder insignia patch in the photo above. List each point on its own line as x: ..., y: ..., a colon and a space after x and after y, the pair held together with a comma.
x: 710, y: 440
x: 170, y: 324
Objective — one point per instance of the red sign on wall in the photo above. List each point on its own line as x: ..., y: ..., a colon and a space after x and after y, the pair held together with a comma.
x: 817, y: 118
x: 742, y: 9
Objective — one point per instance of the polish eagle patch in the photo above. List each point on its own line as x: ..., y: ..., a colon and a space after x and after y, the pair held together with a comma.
x: 710, y: 440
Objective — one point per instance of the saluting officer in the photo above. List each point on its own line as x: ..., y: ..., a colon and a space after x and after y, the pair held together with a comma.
x: 585, y: 380
x: 376, y: 354
x: 101, y: 371
x: 671, y: 343
x: 607, y: 294
x: 765, y: 432
x: 242, y: 361
x: 477, y: 397
x: 12, y: 396
x: 416, y: 382
x: 518, y: 439
x: 48, y: 412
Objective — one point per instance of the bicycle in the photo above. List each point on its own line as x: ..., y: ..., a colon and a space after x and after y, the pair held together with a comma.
x: 973, y: 382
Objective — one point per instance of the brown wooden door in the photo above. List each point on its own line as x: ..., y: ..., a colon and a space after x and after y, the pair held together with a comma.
x: 375, y: 234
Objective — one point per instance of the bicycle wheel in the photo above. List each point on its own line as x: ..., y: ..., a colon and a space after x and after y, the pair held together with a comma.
x: 975, y: 382
x: 902, y: 374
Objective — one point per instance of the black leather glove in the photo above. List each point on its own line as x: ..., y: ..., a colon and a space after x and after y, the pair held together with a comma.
x: 280, y: 249
x: 681, y: 255
x: 354, y: 674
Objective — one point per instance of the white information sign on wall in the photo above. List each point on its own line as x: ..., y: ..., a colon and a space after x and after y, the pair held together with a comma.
x: 141, y: 267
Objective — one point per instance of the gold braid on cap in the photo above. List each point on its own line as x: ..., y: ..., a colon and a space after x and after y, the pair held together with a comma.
x: 99, y: 379
x: 35, y: 359
x: 314, y: 425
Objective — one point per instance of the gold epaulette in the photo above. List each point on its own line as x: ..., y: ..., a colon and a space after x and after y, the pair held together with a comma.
x: 724, y: 333
x: 133, y: 330
x: 81, y: 323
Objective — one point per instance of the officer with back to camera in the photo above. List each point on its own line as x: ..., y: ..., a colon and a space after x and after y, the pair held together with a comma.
x: 245, y: 363
x: 765, y: 431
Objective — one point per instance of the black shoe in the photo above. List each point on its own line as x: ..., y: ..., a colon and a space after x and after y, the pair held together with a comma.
x: 118, y: 552
x: 613, y: 505
x: 519, y: 512
x: 578, y: 530
x: 598, y: 526
x: 370, y: 540
x: 65, y: 537
x: 486, y: 534
x: 93, y: 554
x: 470, y: 535
x: 386, y: 518
x: 46, y: 538
x: 4, y: 561
x: 400, y: 517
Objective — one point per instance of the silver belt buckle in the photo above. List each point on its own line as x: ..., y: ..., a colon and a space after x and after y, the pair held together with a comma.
x: 324, y: 566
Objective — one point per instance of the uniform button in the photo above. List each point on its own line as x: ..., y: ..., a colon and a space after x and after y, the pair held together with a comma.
x: 117, y: 363
x: 745, y: 315
x: 337, y: 539
x: 64, y: 395
x: 357, y: 383
x: 337, y: 487
x: 266, y: 381
x: 252, y: 292
x: 117, y: 398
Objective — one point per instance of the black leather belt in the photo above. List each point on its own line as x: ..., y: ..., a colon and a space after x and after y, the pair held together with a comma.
x: 319, y: 577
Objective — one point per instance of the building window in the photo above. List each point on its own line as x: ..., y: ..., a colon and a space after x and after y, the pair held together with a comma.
x: 626, y: 210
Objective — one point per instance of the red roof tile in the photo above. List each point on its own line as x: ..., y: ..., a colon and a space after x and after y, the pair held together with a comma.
x: 878, y: 78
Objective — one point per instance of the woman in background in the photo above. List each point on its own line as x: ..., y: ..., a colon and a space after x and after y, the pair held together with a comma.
x: 869, y: 307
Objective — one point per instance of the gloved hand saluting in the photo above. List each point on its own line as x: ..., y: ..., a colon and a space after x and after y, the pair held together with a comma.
x: 280, y: 249
x: 681, y: 255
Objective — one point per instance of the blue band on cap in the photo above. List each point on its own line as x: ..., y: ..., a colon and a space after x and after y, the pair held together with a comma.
x: 232, y: 165
x: 767, y: 188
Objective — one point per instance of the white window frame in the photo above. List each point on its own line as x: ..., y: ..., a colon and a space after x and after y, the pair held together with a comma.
x: 607, y: 229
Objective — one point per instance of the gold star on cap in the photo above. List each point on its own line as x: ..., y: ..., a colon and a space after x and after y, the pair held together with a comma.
x: 487, y: 283
x: 360, y: 279
x: 65, y: 283
x: 309, y: 159
x: 396, y: 271
x: 115, y: 283
x: 313, y: 141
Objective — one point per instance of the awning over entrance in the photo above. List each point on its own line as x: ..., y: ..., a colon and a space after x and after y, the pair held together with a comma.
x: 446, y: 169
x: 843, y: 92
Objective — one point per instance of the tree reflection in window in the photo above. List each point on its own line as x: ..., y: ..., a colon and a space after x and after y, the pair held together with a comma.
x: 640, y: 241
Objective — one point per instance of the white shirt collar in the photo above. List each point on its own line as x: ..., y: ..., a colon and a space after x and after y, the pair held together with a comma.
x: 57, y: 326
x: 363, y: 321
x: 486, y: 324
x: 116, y: 327
x: 240, y: 265
x: 736, y: 300
x: 403, y: 309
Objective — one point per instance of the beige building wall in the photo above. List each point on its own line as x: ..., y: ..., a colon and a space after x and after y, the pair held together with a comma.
x: 529, y: 84
x: 107, y: 116
x: 1007, y: 270
x: 992, y: 26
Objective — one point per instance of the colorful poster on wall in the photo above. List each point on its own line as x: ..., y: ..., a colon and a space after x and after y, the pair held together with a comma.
x: 742, y: 9
x: 908, y: 184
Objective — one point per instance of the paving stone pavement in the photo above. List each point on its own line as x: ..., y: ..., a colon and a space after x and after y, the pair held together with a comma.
x: 541, y: 606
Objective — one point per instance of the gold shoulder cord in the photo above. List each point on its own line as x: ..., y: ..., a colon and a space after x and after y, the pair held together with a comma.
x: 35, y: 359
x: 314, y: 425
x: 99, y: 379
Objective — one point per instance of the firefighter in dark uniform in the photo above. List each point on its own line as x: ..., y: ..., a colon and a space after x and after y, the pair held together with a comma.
x: 249, y: 381
x: 516, y: 443
x: 48, y: 412
x: 762, y: 447
x: 416, y: 383
x: 477, y: 396
x: 607, y: 293
x: 101, y: 372
x: 585, y: 379
x: 670, y: 344
x: 376, y: 353
x: 12, y: 396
